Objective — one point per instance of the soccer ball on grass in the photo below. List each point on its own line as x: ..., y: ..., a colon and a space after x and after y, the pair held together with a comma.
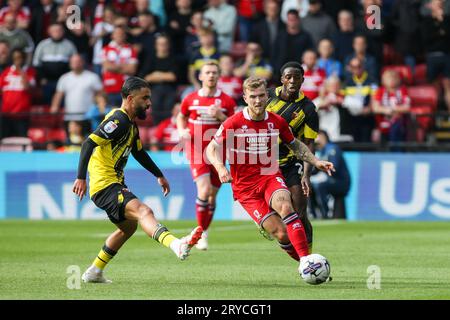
x: 314, y: 269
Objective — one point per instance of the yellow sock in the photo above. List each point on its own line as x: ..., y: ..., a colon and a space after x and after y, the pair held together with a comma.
x: 163, y: 236
x: 103, y: 257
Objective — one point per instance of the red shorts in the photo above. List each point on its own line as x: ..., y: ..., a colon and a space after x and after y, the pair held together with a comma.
x: 257, y: 200
x: 200, y: 166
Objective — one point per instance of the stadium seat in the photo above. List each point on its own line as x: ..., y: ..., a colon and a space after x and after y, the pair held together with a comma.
x: 424, y: 120
x: 16, y: 144
x: 404, y: 71
x: 41, y: 117
x: 58, y: 134
x: 238, y: 50
x: 424, y: 95
x: 420, y: 74
x: 37, y: 135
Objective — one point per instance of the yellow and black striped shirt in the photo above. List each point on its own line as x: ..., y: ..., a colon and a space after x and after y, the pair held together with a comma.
x: 117, y: 136
x: 301, y: 115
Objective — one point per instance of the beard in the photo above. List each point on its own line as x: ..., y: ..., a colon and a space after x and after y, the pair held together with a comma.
x: 141, y: 113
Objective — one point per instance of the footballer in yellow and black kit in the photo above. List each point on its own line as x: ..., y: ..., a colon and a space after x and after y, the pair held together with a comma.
x: 109, y: 147
x: 301, y: 115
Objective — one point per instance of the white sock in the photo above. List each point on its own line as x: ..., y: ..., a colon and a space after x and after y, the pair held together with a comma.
x: 175, y: 245
x: 95, y: 269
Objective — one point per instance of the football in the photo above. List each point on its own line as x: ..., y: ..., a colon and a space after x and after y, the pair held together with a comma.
x: 314, y: 269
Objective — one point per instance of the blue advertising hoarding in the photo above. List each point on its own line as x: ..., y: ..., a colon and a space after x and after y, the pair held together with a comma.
x: 38, y: 185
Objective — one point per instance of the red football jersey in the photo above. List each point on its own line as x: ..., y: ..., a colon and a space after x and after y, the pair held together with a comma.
x: 22, y: 16
x: 313, y: 81
x: 112, y: 81
x: 16, y: 98
x: 202, y: 126
x: 252, y: 146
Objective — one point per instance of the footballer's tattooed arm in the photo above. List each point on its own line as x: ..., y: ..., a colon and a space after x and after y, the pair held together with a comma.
x: 303, y: 153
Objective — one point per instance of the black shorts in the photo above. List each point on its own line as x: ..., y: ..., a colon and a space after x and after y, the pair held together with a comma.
x: 113, y: 200
x: 292, y: 172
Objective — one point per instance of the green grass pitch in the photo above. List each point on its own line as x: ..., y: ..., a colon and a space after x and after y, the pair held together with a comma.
x: 413, y: 257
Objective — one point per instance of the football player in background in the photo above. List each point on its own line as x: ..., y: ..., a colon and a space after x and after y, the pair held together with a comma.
x: 301, y: 115
x: 201, y: 114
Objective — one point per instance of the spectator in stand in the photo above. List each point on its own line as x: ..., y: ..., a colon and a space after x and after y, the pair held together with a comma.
x: 390, y: 103
x: 405, y: 19
x: 179, y: 22
x: 223, y: 17
x: 5, y: 58
x: 78, y: 88
x: 16, y: 82
x: 51, y: 59
x: 343, y: 39
x: 119, y: 61
x: 333, y: 7
x: 375, y: 36
x: 254, y: 64
x: 144, y: 36
x: 78, y: 35
x: 16, y: 37
x: 96, y: 113
x: 331, y: 114
x: 358, y: 90
x: 18, y: 10
x: 95, y: 10
x: 436, y: 36
x: 206, y: 52
x: 141, y: 7
x: 101, y: 30
x: 327, y: 188
x: 43, y: 15
x: 228, y: 82
x: 161, y: 72
x: 291, y: 43
x: 360, y: 52
x: 326, y: 61
x: 249, y: 13
x: 165, y: 136
x: 302, y: 7
x: 192, y: 40
x: 313, y: 76
x: 75, y: 136
x: 265, y: 32
x: 317, y: 23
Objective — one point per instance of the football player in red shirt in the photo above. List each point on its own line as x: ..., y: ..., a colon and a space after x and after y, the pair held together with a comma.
x: 202, y: 112
x: 250, y: 138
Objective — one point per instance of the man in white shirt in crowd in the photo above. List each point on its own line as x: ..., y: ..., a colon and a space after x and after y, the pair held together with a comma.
x: 78, y: 88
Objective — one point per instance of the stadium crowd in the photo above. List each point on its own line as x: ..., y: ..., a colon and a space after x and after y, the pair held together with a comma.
x: 369, y: 75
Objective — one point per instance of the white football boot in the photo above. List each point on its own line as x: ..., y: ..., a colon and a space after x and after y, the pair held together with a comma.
x: 185, y: 244
x: 94, y: 275
x: 202, y: 243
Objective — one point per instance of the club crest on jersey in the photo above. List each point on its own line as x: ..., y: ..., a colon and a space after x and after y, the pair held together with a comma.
x: 110, y: 127
x: 270, y: 126
x: 244, y: 128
